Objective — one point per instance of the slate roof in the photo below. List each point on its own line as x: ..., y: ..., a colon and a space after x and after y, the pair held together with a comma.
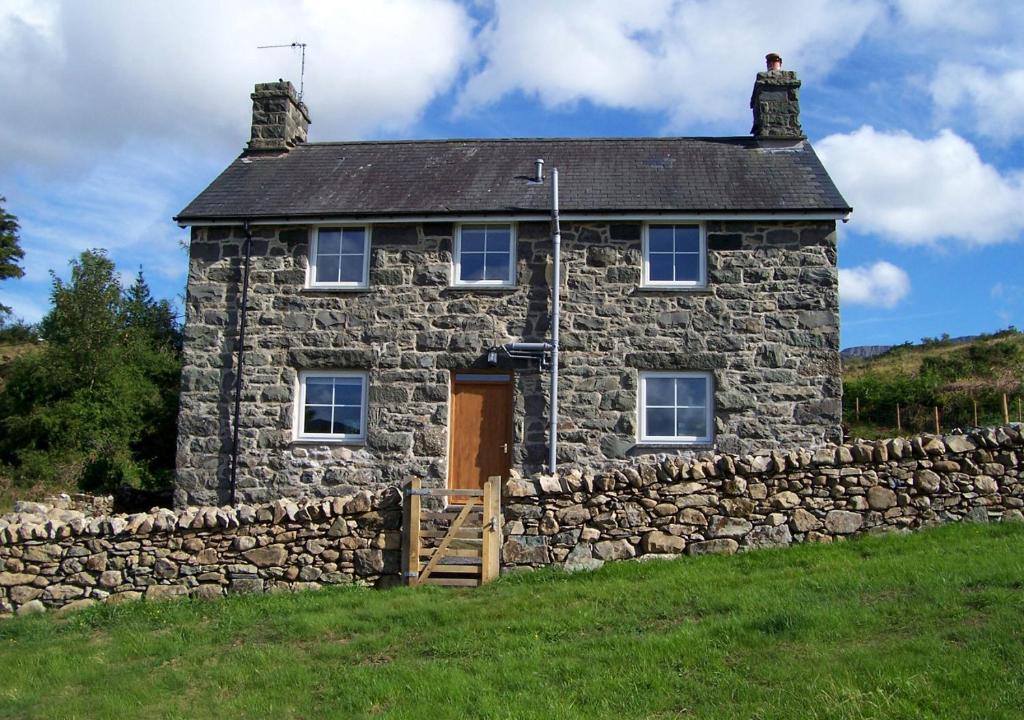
x: 470, y: 177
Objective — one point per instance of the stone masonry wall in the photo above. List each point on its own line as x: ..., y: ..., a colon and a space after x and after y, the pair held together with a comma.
x: 54, y: 558
x: 766, y: 327
x: 716, y: 503
x: 726, y: 503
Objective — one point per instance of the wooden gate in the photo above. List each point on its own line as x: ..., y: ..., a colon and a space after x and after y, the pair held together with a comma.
x: 454, y: 545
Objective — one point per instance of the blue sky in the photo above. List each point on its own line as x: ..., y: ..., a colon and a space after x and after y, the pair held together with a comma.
x: 118, y: 113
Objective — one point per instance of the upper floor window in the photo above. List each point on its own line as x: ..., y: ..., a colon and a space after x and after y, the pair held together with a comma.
x: 339, y: 257
x: 331, y: 405
x: 676, y: 407
x: 674, y: 256
x: 485, y: 254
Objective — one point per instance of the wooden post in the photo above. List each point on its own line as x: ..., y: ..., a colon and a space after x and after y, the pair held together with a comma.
x: 490, y: 564
x: 899, y: 426
x: 1020, y: 417
x: 412, y: 533
x: 937, y: 430
x: 975, y: 412
x: 856, y: 408
x: 1006, y: 411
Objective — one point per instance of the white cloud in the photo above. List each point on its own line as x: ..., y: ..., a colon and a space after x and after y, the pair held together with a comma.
x: 995, y: 99
x: 89, y: 76
x: 915, y: 191
x: 1007, y: 291
x: 658, y: 55
x: 975, y: 17
x: 120, y: 111
x: 882, y: 284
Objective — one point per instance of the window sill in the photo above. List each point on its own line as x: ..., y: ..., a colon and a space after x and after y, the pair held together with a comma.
x: 674, y: 288
x: 314, y: 290
x: 482, y: 288
x: 702, y: 445
x: 329, y: 441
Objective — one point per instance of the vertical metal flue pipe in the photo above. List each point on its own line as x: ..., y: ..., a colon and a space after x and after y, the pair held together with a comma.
x: 556, y: 283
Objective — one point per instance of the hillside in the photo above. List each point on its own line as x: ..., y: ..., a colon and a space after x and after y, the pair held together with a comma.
x: 9, y: 351
x: 951, y: 375
x: 8, y: 492
x: 918, y: 626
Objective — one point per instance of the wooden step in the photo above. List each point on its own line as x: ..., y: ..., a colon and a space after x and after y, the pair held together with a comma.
x: 454, y: 570
x: 476, y: 553
x: 456, y: 582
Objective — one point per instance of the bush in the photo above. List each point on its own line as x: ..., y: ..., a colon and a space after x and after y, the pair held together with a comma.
x: 96, y: 407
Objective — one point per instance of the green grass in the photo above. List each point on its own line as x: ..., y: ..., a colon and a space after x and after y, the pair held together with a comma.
x: 922, y: 626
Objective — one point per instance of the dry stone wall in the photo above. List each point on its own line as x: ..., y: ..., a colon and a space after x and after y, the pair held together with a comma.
x: 766, y: 328
x: 52, y: 558
x: 726, y: 503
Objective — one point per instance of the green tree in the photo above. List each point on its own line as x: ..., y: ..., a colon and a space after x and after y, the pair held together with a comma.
x: 10, y: 249
x: 97, y: 405
x: 154, y: 320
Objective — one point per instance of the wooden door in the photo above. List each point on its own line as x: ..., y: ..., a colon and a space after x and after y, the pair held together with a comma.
x: 481, y: 429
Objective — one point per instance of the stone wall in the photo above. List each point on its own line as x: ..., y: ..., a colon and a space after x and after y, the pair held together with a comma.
x: 766, y: 327
x: 716, y: 503
x: 52, y: 558
x: 726, y: 503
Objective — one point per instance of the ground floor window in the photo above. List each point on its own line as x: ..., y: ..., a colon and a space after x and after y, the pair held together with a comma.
x: 676, y: 407
x: 331, y: 405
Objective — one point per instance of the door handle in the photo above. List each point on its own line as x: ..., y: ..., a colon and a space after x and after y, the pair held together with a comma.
x: 505, y: 448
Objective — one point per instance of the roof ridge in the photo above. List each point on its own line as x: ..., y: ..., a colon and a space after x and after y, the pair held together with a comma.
x: 610, y: 138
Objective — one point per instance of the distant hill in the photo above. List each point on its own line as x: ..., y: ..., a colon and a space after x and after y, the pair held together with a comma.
x: 955, y: 375
x: 863, y: 351
x: 870, y: 351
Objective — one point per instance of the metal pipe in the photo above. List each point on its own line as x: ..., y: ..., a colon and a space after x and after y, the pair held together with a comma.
x: 233, y: 482
x: 538, y: 173
x: 556, y: 282
x: 529, y: 346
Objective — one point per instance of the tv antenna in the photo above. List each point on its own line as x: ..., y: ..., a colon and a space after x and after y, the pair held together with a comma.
x: 302, y: 69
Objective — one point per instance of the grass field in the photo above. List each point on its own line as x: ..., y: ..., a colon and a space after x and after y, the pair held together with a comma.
x: 922, y: 626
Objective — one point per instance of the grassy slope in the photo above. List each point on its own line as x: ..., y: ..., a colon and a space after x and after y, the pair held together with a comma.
x: 923, y: 626
x: 907, y: 360
x: 982, y: 370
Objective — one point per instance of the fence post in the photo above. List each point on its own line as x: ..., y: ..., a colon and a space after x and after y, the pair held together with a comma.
x: 490, y: 562
x: 975, y: 412
x: 856, y: 410
x: 412, y: 533
x: 899, y: 426
x: 1006, y: 411
x: 1020, y: 417
x: 938, y: 431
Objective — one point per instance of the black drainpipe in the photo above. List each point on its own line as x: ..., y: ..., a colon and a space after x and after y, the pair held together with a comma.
x: 239, y: 361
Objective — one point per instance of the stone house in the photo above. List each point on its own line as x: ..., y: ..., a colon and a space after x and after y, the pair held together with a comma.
x: 399, y: 304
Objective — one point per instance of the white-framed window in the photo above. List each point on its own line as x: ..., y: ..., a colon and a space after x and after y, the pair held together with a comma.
x: 339, y: 257
x: 331, y: 405
x: 676, y: 408
x: 485, y: 255
x: 675, y: 255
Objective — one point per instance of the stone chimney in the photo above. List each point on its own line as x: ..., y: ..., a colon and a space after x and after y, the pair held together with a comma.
x: 776, y: 103
x: 280, y: 121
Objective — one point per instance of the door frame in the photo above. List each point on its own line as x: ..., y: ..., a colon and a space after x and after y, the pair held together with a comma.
x: 451, y: 413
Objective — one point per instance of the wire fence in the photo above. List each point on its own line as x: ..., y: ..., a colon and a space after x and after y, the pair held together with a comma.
x: 862, y: 414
